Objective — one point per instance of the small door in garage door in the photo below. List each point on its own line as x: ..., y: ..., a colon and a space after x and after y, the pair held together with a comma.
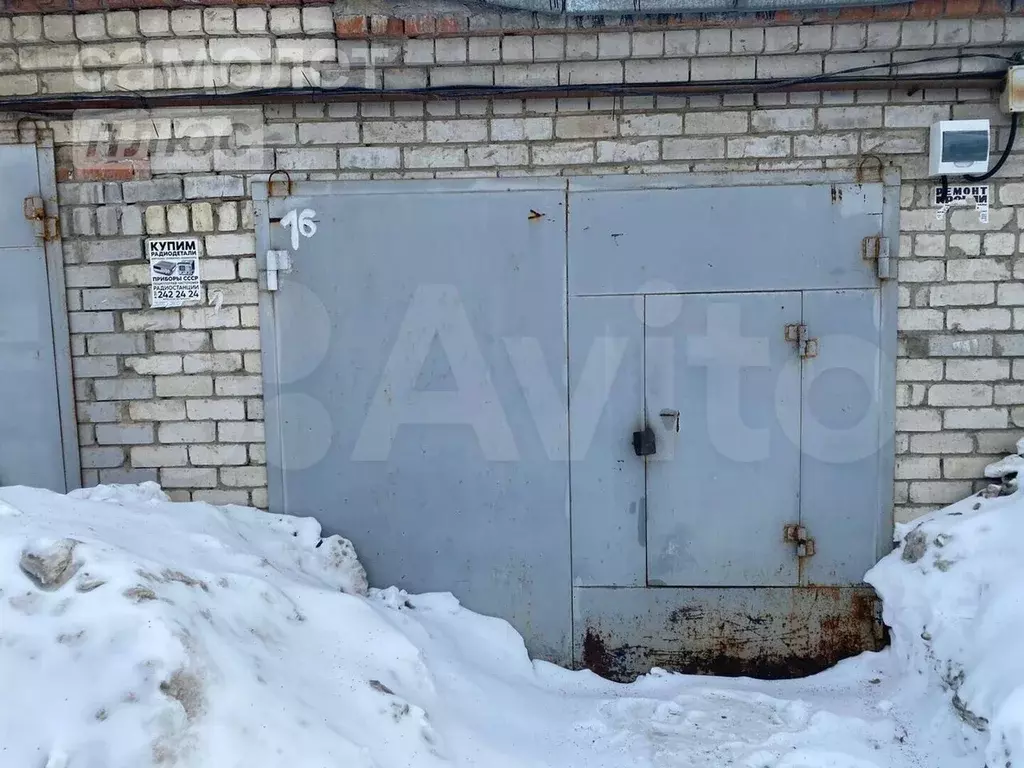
x: 38, y: 445
x: 723, y: 400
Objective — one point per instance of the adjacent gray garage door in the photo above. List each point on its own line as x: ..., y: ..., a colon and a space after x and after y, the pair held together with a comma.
x: 38, y: 443
x: 648, y: 421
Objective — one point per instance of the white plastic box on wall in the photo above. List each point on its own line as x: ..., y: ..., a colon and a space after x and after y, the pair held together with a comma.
x: 959, y: 147
x: 1013, y: 94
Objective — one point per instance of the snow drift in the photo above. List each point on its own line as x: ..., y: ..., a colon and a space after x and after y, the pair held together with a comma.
x: 124, y: 616
x: 140, y: 633
x: 953, y: 595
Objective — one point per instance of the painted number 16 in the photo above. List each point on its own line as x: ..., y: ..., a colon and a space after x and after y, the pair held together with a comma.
x: 300, y: 223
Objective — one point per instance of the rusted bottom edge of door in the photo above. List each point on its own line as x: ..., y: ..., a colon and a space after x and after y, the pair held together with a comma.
x: 762, y: 632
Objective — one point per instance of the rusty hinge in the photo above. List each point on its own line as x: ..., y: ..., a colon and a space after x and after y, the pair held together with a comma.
x: 797, y: 333
x: 876, y: 249
x: 47, y: 228
x: 795, y: 533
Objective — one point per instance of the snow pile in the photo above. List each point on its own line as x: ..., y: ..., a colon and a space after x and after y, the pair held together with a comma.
x: 140, y: 633
x: 953, y: 595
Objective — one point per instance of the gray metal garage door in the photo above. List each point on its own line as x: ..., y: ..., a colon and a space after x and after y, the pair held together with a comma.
x: 38, y: 444
x: 648, y: 421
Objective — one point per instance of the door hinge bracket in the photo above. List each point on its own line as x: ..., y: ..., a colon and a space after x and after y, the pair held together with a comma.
x: 796, y: 534
x: 876, y: 249
x: 46, y: 228
x: 797, y: 334
x: 277, y: 262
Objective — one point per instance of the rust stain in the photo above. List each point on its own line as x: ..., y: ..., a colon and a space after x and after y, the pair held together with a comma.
x: 833, y: 593
x: 879, y: 167
x: 33, y: 208
x: 612, y: 663
x: 596, y: 656
x: 686, y: 613
x: 725, y: 664
x: 47, y: 228
x: 812, y: 630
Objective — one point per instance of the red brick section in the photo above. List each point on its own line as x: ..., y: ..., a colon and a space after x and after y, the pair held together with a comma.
x: 378, y: 26
x: 102, y: 163
x: 856, y: 15
x: 892, y: 12
x: 8, y: 7
x: 926, y: 9
x: 962, y: 9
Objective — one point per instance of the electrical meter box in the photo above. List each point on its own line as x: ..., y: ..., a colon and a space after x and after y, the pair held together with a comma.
x: 959, y: 147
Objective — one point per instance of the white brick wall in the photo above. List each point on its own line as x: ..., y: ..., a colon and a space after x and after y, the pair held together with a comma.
x: 177, y: 394
x: 163, y: 392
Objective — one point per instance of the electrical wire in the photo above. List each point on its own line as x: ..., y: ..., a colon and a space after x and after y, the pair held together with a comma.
x: 83, y: 100
x: 896, y: 65
x: 1002, y: 158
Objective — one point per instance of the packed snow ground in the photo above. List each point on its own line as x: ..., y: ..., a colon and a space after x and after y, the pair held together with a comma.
x: 137, y: 632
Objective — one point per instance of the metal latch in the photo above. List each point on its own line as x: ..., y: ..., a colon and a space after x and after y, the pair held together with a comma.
x: 277, y: 262
x: 46, y: 228
x: 876, y: 249
x: 670, y: 415
x: 797, y: 534
x: 797, y: 333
